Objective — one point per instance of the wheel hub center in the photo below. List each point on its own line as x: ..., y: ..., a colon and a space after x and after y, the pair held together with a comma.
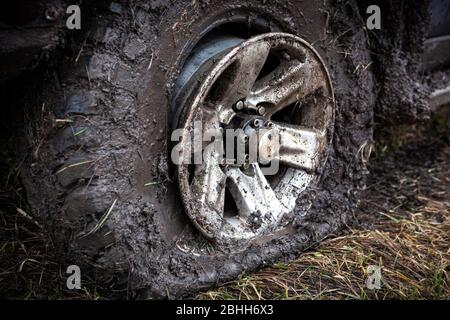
x: 260, y: 141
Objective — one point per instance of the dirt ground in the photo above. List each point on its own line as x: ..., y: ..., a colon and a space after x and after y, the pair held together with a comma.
x: 402, y: 226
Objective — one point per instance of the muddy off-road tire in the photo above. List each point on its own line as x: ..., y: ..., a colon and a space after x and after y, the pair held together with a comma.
x: 99, y: 173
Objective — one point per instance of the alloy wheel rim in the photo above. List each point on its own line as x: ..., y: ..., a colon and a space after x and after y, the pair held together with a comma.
x: 232, y: 87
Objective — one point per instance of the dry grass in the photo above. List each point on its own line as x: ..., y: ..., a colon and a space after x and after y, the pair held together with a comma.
x: 413, y: 255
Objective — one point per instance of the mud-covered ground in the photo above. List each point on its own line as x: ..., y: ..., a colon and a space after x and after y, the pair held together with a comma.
x: 402, y: 225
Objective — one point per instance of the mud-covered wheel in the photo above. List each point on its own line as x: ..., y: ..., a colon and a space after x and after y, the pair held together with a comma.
x: 101, y: 170
x: 272, y: 93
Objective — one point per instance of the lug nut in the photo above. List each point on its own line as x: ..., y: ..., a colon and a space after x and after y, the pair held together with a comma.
x: 239, y: 105
x: 257, y: 123
x: 269, y: 124
x: 261, y: 110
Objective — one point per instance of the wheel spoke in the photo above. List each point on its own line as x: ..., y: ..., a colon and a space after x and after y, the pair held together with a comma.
x: 289, y: 189
x: 208, y: 187
x: 243, y: 72
x: 290, y: 82
x: 253, y: 195
x: 299, y: 146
